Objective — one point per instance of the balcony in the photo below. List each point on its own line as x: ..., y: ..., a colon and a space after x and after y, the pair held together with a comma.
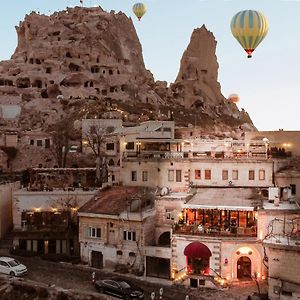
x: 215, y: 231
x: 195, y: 155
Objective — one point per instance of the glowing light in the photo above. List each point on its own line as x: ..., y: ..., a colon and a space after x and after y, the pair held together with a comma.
x: 37, y: 209
x: 245, y: 251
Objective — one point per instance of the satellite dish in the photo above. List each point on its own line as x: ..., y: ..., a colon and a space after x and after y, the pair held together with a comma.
x: 164, y: 191
x: 60, y: 97
x: 265, y: 140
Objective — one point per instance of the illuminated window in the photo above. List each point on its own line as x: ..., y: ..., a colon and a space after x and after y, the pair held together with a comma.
x: 224, y: 174
x: 197, y: 174
x: 235, y: 174
x: 251, y: 175
x: 171, y: 175
x: 262, y: 174
x: 207, y: 174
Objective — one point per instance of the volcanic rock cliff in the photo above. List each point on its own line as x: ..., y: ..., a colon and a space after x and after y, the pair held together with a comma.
x: 86, y: 63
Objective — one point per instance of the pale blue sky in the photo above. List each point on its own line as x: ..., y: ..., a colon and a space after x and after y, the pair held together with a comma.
x: 268, y: 84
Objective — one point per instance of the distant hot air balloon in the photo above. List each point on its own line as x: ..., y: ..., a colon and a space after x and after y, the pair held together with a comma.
x: 139, y: 10
x: 234, y: 98
x: 249, y: 27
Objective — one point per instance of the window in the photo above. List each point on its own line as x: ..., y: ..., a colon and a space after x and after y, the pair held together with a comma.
x: 133, y: 176
x: 224, y: 174
x: 251, y: 175
x: 171, y: 175
x: 197, y: 174
x: 235, y: 174
x: 169, y: 214
x: 110, y: 146
x: 178, y: 175
x: 262, y: 174
x: 93, y: 232
x: 293, y: 187
x: 39, y: 143
x: 31, y: 142
x: 129, y: 235
x: 207, y: 174
x: 167, y: 129
x: 145, y: 175
x: 130, y: 146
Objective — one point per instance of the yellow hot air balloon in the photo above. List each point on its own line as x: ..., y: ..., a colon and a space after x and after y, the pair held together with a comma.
x: 139, y: 10
x: 249, y: 27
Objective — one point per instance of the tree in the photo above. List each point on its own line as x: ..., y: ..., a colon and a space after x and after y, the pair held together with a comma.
x: 62, y: 133
x: 95, y: 139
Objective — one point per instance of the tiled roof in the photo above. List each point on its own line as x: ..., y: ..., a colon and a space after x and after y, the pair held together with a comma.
x: 116, y: 200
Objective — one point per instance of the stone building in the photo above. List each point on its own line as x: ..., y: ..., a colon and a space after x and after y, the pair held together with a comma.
x: 45, y: 221
x: 115, y: 226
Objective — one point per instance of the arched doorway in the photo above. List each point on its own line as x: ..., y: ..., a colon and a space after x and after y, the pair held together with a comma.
x: 244, y: 267
x: 197, y: 256
x: 165, y: 239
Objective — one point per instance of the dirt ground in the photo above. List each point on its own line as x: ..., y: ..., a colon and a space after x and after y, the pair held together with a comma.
x: 78, y: 277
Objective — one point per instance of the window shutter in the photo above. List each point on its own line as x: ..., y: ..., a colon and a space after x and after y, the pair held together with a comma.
x: 87, y: 232
x: 124, y: 235
x: 133, y: 236
x: 98, y: 232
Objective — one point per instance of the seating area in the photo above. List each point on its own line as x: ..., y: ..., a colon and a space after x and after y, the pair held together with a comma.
x: 215, y: 222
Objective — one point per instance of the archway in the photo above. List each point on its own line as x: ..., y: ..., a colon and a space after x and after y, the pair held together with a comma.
x: 244, y: 267
x: 197, y: 256
x: 164, y: 239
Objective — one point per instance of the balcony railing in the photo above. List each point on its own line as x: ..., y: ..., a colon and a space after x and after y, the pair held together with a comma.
x: 216, y: 232
x: 192, y: 155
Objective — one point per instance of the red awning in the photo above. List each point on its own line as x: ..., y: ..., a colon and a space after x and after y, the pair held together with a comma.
x: 197, y: 250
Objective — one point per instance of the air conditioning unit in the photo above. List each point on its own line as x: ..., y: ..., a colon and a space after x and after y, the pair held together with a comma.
x: 286, y: 193
x: 273, y: 193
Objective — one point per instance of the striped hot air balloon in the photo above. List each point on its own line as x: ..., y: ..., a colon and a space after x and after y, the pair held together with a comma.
x: 139, y: 10
x: 249, y: 27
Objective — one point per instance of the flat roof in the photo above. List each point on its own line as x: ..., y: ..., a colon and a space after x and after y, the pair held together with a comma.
x: 226, y: 198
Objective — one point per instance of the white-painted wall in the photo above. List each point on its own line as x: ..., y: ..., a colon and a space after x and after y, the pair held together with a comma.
x: 158, y: 173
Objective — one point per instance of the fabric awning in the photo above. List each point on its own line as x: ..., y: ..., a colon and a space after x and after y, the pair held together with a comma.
x: 219, y: 207
x: 197, y: 250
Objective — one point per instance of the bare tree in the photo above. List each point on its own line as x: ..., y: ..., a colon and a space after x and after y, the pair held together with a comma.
x: 95, y: 139
x: 62, y: 133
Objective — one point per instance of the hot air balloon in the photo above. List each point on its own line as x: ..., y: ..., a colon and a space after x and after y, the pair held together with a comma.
x: 234, y: 98
x: 249, y: 27
x: 139, y: 10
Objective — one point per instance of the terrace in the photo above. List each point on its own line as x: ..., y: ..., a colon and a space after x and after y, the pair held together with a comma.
x: 220, y: 212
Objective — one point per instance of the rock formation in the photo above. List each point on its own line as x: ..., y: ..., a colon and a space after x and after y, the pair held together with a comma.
x: 85, y: 62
